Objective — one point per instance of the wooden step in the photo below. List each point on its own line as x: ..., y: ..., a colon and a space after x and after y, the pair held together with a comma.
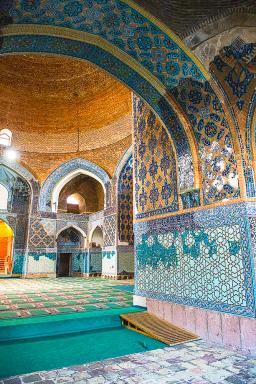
x: 158, y: 329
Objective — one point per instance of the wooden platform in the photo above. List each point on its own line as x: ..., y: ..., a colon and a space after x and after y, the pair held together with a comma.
x: 156, y: 328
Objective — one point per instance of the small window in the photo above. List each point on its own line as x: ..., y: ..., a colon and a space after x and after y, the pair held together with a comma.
x: 3, y: 197
x: 5, y: 137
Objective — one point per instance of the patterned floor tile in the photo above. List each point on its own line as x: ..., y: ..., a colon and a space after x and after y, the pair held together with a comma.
x: 168, y: 366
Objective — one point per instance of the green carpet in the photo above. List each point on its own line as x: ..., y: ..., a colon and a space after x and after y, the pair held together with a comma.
x: 41, y: 297
x: 53, y: 323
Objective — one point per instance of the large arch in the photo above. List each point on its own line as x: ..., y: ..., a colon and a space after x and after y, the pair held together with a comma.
x: 110, y: 36
x: 64, y: 173
x: 158, y: 99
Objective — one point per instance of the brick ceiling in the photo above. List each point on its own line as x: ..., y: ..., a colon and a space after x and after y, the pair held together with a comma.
x: 45, y: 100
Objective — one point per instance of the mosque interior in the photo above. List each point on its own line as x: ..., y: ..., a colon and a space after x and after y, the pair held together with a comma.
x: 127, y: 191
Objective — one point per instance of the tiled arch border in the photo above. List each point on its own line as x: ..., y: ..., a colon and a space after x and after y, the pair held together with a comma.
x: 251, y: 139
x: 126, y: 156
x: 59, y: 41
x: 131, y: 34
x: 64, y: 170
x: 27, y: 176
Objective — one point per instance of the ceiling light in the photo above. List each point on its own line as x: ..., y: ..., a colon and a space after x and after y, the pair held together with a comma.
x: 10, y: 154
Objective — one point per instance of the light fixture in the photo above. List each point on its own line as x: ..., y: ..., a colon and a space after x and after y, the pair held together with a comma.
x: 11, y: 154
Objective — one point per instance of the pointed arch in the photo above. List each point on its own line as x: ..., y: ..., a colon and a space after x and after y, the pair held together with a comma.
x: 25, y: 174
x: 97, y: 226
x: 71, y: 226
x: 64, y: 173
x: 125, y: 56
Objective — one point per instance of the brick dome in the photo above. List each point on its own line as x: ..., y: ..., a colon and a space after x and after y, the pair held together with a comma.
x: 46, y: 100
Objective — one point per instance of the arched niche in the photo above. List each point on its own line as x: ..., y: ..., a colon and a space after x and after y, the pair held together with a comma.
x: 76, y: 199
x: 76, y: 228
x: 5, y: 137
x: 96, y: 237
x: 82, y: 194
x: 54, y: 183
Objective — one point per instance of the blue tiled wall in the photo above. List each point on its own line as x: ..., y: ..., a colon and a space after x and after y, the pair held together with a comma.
x: 201, y: 259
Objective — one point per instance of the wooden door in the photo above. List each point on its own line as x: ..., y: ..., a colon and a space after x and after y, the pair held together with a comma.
x: 64, y: 264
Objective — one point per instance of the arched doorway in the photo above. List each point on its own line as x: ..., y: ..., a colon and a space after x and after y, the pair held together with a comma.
x: 6, y: 242
x: 69, y: 242
x: 82, y: 194
x: 95, y: 253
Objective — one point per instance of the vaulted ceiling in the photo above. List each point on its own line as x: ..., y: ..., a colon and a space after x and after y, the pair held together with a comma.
x: 61, y: 105
x: 187, y: 16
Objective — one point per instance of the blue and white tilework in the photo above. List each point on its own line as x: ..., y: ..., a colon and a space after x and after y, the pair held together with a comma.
x: 201, y: 259
x: 62, y: 171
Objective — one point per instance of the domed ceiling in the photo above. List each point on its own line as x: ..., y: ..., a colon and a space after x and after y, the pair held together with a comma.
x: 61, y: 105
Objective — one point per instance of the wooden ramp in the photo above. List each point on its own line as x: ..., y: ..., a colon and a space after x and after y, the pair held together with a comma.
x: 152, y: 326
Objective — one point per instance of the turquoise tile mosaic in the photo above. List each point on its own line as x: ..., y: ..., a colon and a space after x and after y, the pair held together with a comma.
x: 39, y: 254
x: 18, y: 261
x: 201, y: 259
x: 108, y: 254
x: 79, y: 261
x: 95, y: 261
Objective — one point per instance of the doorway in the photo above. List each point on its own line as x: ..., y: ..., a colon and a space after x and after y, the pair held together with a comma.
x: 6, y: 242
x: 63, y: 267
x: 69, y: 243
